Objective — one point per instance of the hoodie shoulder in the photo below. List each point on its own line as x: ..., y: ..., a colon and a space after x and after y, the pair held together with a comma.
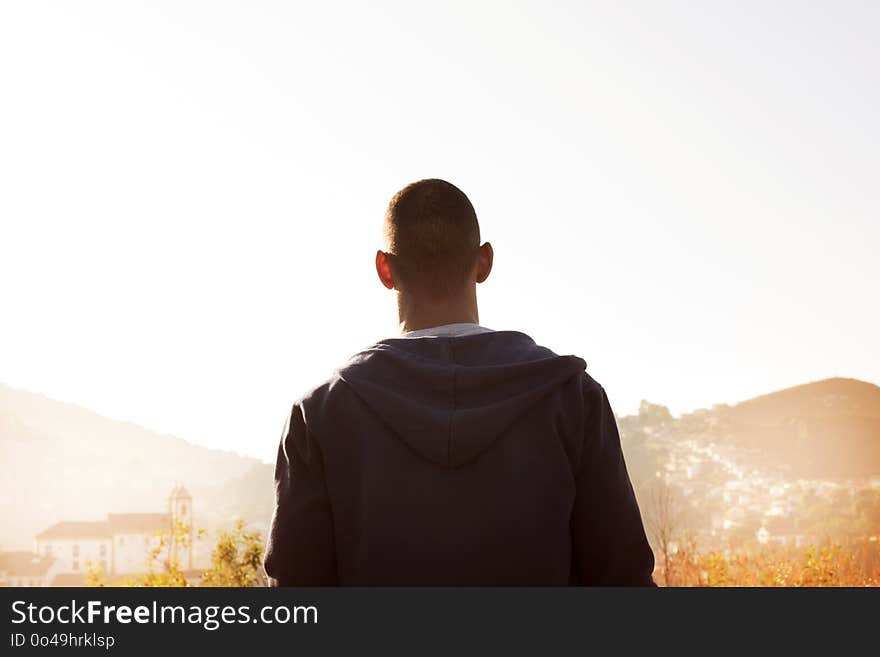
x: 592, y: 388
x: 317, y: 401
x: 595, y: 397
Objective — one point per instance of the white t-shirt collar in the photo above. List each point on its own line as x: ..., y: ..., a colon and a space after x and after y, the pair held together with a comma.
x: 447, y: 331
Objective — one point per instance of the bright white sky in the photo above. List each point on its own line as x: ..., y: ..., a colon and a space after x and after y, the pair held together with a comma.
x: 685, y: 195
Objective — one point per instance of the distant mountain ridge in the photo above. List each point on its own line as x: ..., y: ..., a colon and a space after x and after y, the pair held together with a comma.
x: 828, y: 428
x: 820, y: 398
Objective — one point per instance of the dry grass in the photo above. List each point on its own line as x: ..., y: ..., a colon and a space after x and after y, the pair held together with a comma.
x: 855, y: 564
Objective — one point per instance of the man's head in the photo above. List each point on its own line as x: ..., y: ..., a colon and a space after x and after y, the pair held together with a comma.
x: 432, y: 242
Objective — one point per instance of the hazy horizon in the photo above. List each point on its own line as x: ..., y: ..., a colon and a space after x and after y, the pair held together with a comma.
x: 269, y: 458
x: 794, y: 468
x: 684, y: 196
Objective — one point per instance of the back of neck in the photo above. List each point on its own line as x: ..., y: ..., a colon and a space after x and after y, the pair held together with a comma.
x: 417, y: 314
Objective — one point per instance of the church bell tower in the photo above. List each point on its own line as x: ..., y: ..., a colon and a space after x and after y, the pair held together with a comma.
x: 180, y: 510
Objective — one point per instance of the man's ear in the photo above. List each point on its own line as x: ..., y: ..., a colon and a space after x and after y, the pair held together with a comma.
x: 383, y: 268
x: 484, y: 262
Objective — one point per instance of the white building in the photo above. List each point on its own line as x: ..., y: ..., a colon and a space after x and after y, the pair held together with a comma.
x: 117, y: 546
x: 25, y: 569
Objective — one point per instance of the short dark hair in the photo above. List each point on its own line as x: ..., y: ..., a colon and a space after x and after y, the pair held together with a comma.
x: 432, y: 236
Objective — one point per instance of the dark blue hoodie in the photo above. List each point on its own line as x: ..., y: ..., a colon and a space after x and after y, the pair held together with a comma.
x: 481, y: 459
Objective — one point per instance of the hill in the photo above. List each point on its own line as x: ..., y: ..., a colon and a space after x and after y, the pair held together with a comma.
x: 827, y: 429
x: 797, y: 465
x: 824, y: 429
x: 64, y: 462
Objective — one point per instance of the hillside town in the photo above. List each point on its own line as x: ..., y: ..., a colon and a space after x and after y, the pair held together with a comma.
x: 116, y: 547
x: 727, y: 496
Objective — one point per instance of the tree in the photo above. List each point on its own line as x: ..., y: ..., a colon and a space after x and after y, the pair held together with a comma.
x: 654, y: 414
x: 95, y: 575
x: 237, y: 560
x: 163, y: 566
x: 663, y: 519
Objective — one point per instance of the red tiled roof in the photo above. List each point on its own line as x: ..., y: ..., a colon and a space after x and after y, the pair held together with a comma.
x: 122, y: 523
x: 116, y: 523
x: 76, y: 529
x: 24, y: 564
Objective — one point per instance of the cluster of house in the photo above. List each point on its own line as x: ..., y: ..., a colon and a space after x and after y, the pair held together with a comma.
x: 741, y: 495
x: 65, y: 553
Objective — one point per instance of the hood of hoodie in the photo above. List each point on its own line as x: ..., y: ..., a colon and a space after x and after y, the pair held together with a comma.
x: 450, y: 398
